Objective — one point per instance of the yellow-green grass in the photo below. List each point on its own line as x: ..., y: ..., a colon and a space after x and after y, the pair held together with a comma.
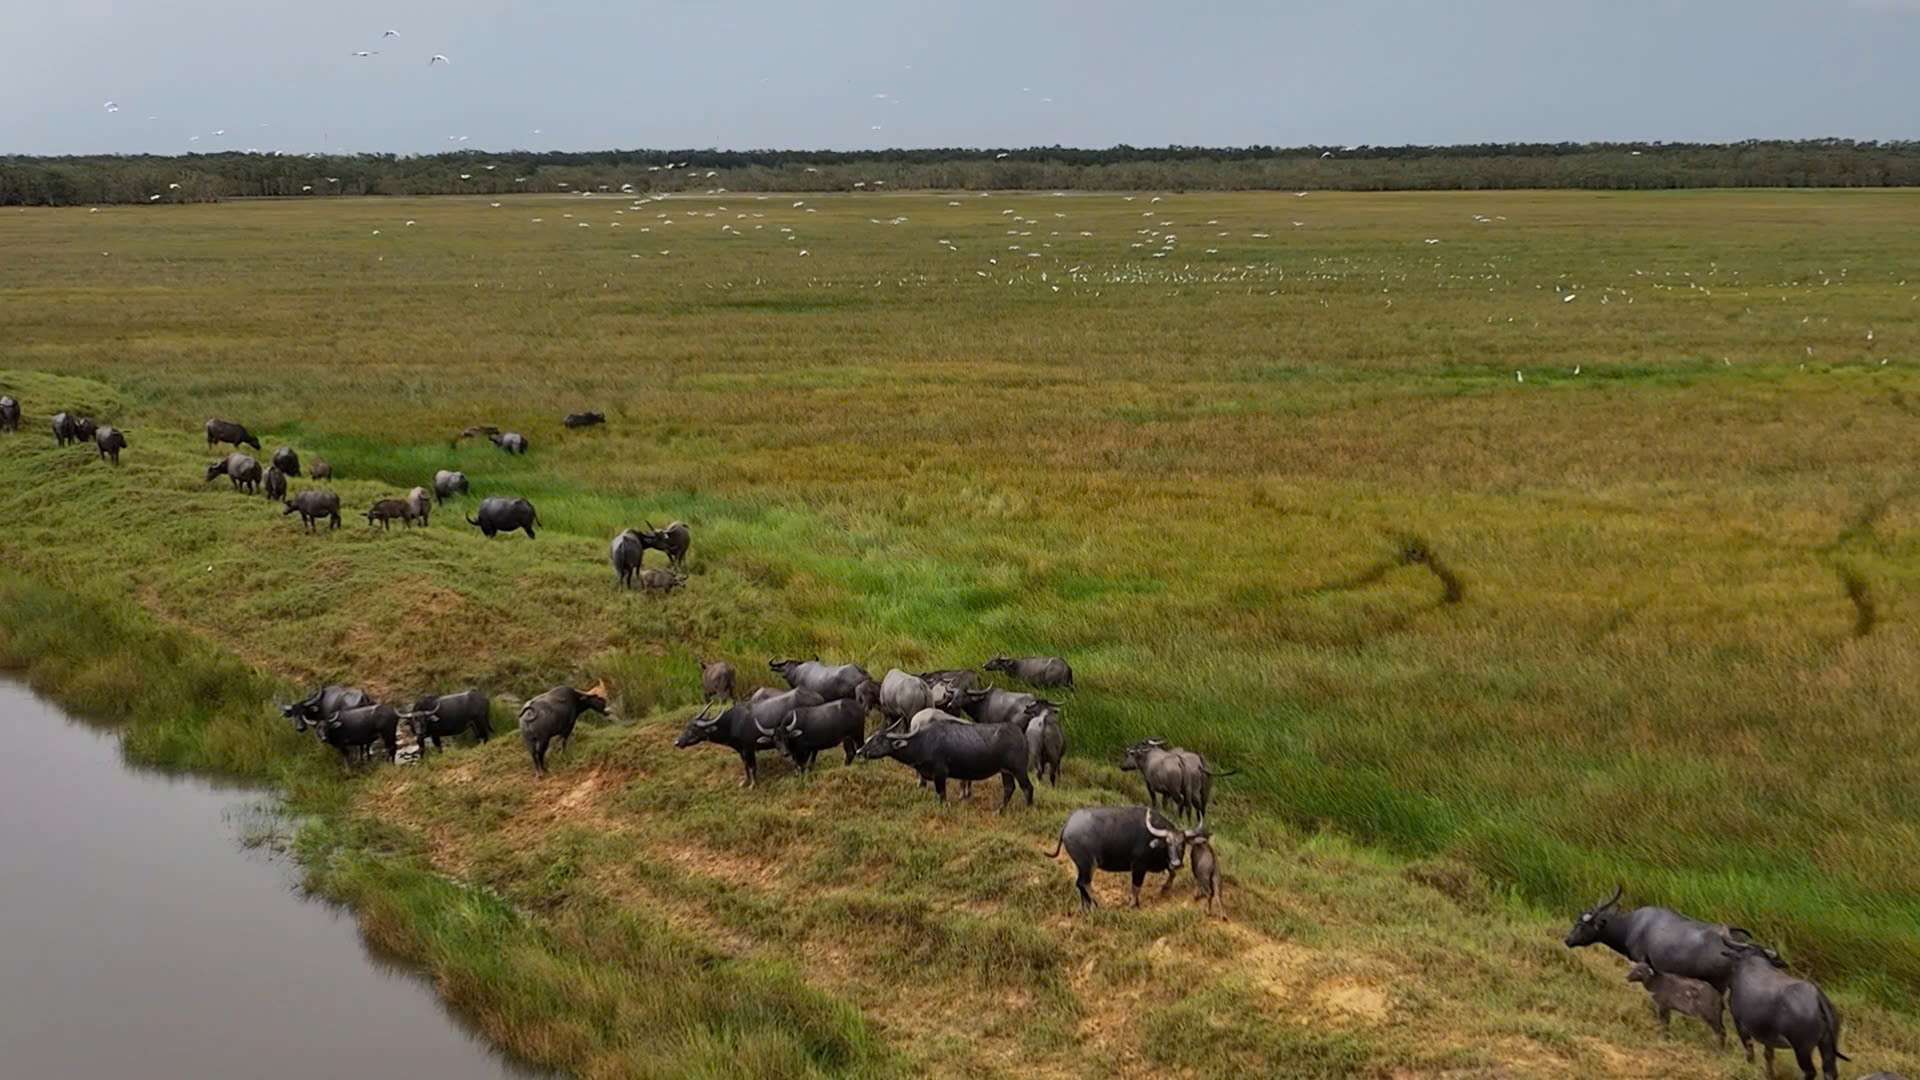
x: 1180, y: 472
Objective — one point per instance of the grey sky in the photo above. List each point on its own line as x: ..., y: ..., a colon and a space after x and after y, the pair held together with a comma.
x: 594, y: 74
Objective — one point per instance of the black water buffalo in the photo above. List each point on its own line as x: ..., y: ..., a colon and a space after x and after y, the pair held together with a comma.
x: 996, y: 706
x: 584, y: 419
x: 422, y: 504
x: 385, y: 511
x: 903, y: 694
x: 745, y: 727
x: 498, y: 514
x: 512, y: 442
x: 448, y: 483
x: 318, y: 469
x: 446, y: 715
x: 84, y: 428
x: 1174, y: 776
x: 109, y: 441
x: 65, y: 428
x: 813, y: 728
x: 1046, y: 745
x: 226, y: 431
x: 716, y: 680
x: 942, y: 751
x: 1779, y: 1011
x: 830, y: 681
x: 240, y: 470
x: 361, y: 727
x: 322, y: 704
x: 674, y: 540
x: 1665, y: 939
x: 1122, y: 839
x: 1034, y: 670
x: 312, y: 505
x: 624, y: 553
x: 552, y: 715
x: 286, y: 461
x: 275, y: 484
x: 9, y: 414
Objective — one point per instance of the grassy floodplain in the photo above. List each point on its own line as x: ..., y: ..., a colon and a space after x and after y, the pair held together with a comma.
x: 1652, y: 435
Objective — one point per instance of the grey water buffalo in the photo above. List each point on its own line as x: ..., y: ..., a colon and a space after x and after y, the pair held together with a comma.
x: 903, y: 694
x: 1174, y: 776
x: 448, y: 483
x: 65, y: 428
x: 716, y: 680
x: 9, y: 414
x: 385, y: 511
x: 1780, y: 1011
x: 830, y: 681
x: 656, y: 580
x: 422, y: 504
x: 552, y: 715
x: 359, y: 728
x: 1120, y: 839
x: 275, y: 484
x: 322, y: 704
x: 1670, y: 993
x: 109, y: 441
x: 624, y: 553
x: 584, y: 419
x: 286, y: 461
x: 512, y: 442
x: 1046, y: 745
x: 1034, y: 670
x: 312, y: 505
x: 674, y: 540
x: 474, y: 431
x: 438, y: 716
x: 498, y: 514
x: 955, y: 679
x: 240, y: 470
x: 318, y: 469
x: 746, y: 726
x: 1206, y: 869
x: 226, y: 431
x: 939, y: 752
x: 993, y: 705
x: 813, y: 728
x: 1666, y: 939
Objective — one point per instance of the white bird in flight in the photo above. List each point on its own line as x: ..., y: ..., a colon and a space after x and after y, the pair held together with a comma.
x: 111, y: 107
x: 391, y: 33
x: 439, y: 58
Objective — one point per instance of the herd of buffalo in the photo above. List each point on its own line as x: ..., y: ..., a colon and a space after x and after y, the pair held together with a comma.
x: 948, y: 725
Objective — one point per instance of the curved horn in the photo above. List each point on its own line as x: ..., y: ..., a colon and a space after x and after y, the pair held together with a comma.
x: 762, y: 730
x: 1609, y: 901
x: 1161, y: 833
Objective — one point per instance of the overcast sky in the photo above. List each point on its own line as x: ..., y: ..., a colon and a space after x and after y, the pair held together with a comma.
x: 595, y: 74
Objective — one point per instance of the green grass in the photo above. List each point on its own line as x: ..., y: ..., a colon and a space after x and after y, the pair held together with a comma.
x: 1191, y: 475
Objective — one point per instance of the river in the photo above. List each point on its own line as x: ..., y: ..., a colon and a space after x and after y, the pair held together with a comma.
x: 139, y: 937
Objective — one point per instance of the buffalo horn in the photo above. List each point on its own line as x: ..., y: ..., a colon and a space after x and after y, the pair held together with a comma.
x: 1161, y: 833
x: 1609, y: 901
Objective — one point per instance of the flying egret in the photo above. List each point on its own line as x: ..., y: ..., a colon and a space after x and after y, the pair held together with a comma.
x: 364, y: 52
x: 1000, y: 155
x: 391, y: 33
x: 438, y: 58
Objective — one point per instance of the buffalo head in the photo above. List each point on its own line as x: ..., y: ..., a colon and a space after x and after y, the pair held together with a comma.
x: 884, y: 742
x: 1171, y: 838
x: 1136, y: 756
x: 1586, y: 929
x: 699, y: 729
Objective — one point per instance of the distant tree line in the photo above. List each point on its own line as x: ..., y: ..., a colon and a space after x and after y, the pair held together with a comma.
x: 67, y: 181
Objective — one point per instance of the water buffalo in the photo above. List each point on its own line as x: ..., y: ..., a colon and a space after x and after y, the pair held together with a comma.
x: 9, y: 414
x: 1666, y: 939
x: 84, y: 428
x: 1174, y: 775
x: 275, y: 485
x: 318, y: 469
x: 955, y: 679
x: 660, y: 580
x: 1034, y: 670
x: 312, y: 505
x: 385, y: 510
x: 448, y: 483
x: 287, y: 461
x: 624, y: 553
x: 903, y: 694
x: 64, y: 429
x: 322, y: 704
x: 446, y: 715
x: 584, y: 419
x: 361, y: 727
x: 1046, y: 744
x: 1667, y: 993
x: 422, y: 504
x: 552, y: 715
x: 744, y: 728
x: 497, y: 514
x: 240, y: 470
x: 674, y: 540
x: 1206, y: 869
x: 830, y: 681
x: 960, y: 752
x: 1780, y: 1011
x: 109, y: 441
x: 813, y: 728
x: 993, y: 705
x: 226, y: 431
x: 1124, y: 839
x: 512, y: 442
x: 716, y: 680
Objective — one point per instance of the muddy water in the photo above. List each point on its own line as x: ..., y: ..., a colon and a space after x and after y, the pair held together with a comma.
x: 138, y: 938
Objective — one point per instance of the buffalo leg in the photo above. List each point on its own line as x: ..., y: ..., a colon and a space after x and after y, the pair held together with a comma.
x: 1769, y: 1055
x: 1746, y: 1040
x: 393, y: 747
x: 1168, y: 887
x: 748, y: 768
x: 1664, y: 1013
x: 529, y: 529
x: 1080, y: 881
x: 1139, y: 876
x: 537, y: 749
x: 1829, y: 1058
x: 850, y: 746
x: 1006, y: 790
x: 1026, y: 785
x: 940, y: 785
